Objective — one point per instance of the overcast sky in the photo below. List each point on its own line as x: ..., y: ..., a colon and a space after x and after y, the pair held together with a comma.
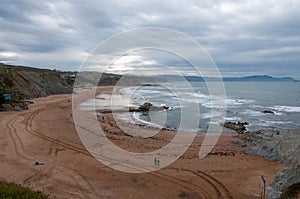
x: 243, y: 37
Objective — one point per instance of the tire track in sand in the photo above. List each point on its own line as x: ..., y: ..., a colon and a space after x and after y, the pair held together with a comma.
x: 71, y: 172
x: 21, y: 152
x: 219, y: 188
x: 17, y: 141
x: 178, y: 182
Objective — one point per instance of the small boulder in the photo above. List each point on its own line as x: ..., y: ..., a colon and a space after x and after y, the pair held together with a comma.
x: 145, y: 107
x: 165, y: 107
x: 268, y: 112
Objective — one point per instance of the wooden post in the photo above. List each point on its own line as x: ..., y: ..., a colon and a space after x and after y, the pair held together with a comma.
x: 263, y: 188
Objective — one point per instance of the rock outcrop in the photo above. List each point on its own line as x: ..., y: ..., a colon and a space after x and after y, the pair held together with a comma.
x: 285, y: 179
x: 268, y: 112
x: 28, y: 83
x: 239, y: 127
x: 281, y: 146
x: 19, y: 106
x: 146, y: 107
x: 278, y: 145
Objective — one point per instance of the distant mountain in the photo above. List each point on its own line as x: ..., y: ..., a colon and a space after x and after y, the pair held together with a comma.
x: 254, y: 78
x: 260, y: 78
x: 27, y: 83
x: 194, y: 78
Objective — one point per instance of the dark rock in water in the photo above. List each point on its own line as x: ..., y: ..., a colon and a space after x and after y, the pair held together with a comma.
x: 165, y: 107
x: 146, y: 107
x: 268, y: 112
x: 239, y: 127
x: 284, y: 179
x: 149, y: 85
x: 133, y: 109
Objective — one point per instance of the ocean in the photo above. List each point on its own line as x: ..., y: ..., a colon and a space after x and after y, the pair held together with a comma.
x: 245, y: 102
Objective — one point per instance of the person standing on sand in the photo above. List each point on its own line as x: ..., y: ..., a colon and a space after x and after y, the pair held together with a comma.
x: 156, y: 161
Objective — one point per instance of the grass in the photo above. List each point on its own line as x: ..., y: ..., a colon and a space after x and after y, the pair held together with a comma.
x: 14, y: 191
x: 291, y: 192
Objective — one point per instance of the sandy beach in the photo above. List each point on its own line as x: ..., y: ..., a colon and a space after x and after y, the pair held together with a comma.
x: 46, y: 133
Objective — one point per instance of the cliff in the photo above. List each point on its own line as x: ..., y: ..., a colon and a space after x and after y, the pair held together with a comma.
x: 28, y: 83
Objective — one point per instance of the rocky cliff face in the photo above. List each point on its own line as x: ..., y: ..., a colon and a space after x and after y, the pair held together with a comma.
x: 282, y: 146
x: 278, y: 145
x: 29, y: 83
x: 286, y: 184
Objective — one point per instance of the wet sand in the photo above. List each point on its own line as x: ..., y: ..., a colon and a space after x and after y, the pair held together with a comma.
x: 46, y: 133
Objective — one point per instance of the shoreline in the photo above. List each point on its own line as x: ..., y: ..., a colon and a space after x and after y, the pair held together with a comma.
x: 46, y: 133
x: 264, y: 112
x: 139, y: 122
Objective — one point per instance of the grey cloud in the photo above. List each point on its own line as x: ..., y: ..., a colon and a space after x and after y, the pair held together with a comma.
x: 241, y: 36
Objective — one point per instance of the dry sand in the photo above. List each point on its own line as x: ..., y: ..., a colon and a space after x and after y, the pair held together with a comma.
x: 46, y: 133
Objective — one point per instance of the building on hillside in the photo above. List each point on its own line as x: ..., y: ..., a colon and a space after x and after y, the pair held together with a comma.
x: 67, y: 75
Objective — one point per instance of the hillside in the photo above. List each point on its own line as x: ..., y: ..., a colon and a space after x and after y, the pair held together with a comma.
x: 29, y: 83
x: 108, y: 79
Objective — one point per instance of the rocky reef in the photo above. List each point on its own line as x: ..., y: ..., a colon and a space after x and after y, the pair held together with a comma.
x: 282, y: 146
x: 286, y: 184
x: 15, y: 106
x: 146, y: 107
x: 239, y: 127
x: 278, y: 145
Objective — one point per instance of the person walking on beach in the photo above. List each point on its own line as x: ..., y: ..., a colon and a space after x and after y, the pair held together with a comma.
x: 156, y: 161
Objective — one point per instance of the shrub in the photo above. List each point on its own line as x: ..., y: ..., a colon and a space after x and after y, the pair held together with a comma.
x: 2, y: 98
x: 12, y: 191
x: 291, y: 192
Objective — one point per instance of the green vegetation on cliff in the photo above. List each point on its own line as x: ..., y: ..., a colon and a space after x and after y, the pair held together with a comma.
x: 13, y: 191
x: 291, y: 192
x: 28, y: 83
